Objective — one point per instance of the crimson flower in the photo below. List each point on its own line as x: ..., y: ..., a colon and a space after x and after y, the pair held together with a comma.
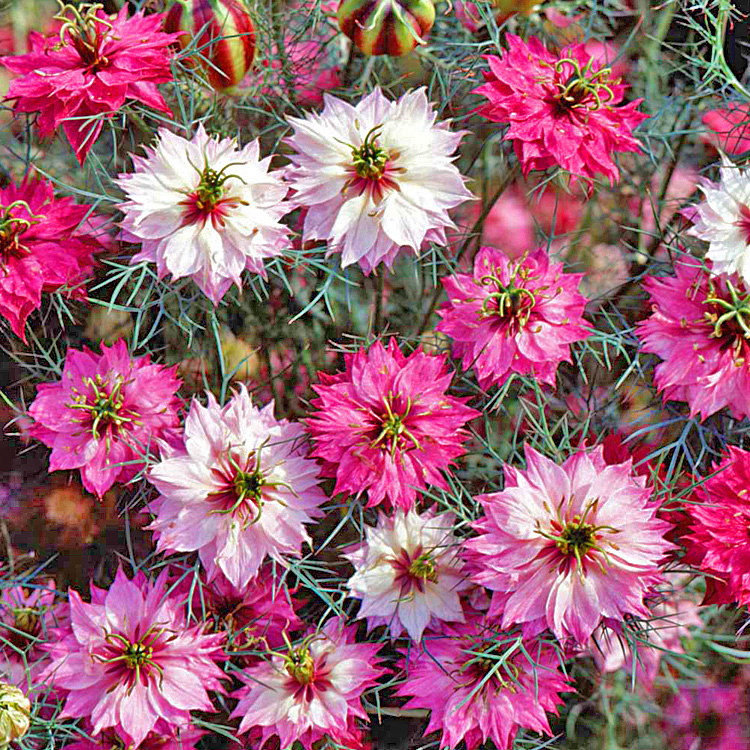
x: 93, y: 66
x: 564, y: 109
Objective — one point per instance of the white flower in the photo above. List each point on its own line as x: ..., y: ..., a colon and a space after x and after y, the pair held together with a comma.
x: 243, y: 489
x: 376, y: 177
x: 408, y: 572
x: 204, y: 208
x: 723, y: 220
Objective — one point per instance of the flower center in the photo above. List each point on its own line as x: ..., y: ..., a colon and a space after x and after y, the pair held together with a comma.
x: 104, y: 404
x: 394, y: 434
x: 86, y: 30
x: 730, y: 318
x: 509, y: 301
x: 743, y: 223
x: 12, y: 227
x: 136, y: 657
x: 584, y: 87
x: 210, y: 189
x: 300, y: 666
x: 370, y: 159
x: 249, y: 485
x: 423, y: 568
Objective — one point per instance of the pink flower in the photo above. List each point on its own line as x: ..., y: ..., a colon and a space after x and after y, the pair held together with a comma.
x: 718, y: 542
x: 93, y: 66
x: 241, y: 489
x: 375, y: 177
x: 513, y: 316
x: 46, y: 244
x: 707, y: 717
x: 408, y: 572
x: 564, y: 546
x: 128, y: 659
x: 312, y: 691
x: 562, y: 109
x: 386, y: 426
x: 450, y: 678
x: 698, y: 327
x: 104, y: 413
x: 164, y: 737
x: 729, y: 128
x: 204, y: 208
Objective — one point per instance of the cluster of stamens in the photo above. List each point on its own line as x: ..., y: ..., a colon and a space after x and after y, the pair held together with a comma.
x: 12, y: 227
x: 85, y: 29
x: 584, y: 87
x: 509, y: 300
x: 104, y: 403
x: 136, y: 656
x: 394, y: 433
x: 493, y: 665
x: 423, y: 567
x: 730, y: 318
x: 370, y: 159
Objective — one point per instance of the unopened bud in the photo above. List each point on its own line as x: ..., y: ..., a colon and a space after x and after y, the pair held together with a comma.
x: 15, y: 713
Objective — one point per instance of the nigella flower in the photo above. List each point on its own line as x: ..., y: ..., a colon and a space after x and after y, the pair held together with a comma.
x: 46, y: 244
x: 311, y: 691
x: 513, y: 316
x: 92, y: 66
x: 408, y: 572
x: 564, y: 109
x: 128, y: 659
x: 104, y: 413
x: 700, y: 327
x: 718, y: 541
x: 723, y: 220
x: 479, y: 685
x: 386, y: 425
x: 375, y: 177
x: 163, y: 737
x: 241, y: 489
x: 204, y: 208
x: 564, y: 546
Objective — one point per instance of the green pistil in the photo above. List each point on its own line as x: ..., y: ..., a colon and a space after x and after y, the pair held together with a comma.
x: 211, y: 186
x: 393, y: 427
x: 26, y: 620
x: 584, y: 83
x: 369, y: 159
x: 423, y: 567
x: 508, y: 300
x: 84, y: 28
x: 135, y: 656
x: 105, y: 407
x: 299, y: 665
x: 736, y: 312
x: 12, y: 227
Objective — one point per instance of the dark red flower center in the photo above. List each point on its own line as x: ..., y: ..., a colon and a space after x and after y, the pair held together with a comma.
x: 414, y: 570
x: 729, y: 314
x: 102, y: 404
x: 208, y: 201
x: 86, y: 30
x: 743, y: 223
x: 241, y: 485
x: 512, y: 302
x: 133, y: 660
x: 12, y: 227
x: 578, y: 87
x: 504, y: 673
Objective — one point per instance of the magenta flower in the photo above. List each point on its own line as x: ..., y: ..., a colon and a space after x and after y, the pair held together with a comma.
x: 513, y: 316
x: 450, y: 678
x: 700, y: 327
x: 408, y: 572
x: 92, y: 66
x: 163, y: 737
x: 46, y: 244
x: 204, y: 208
x: 242, y: 489
x: 311, y: 691
x: 104, y: 413
x: 564, y: 109
x: 386, y: 425
x: 718, y: 542
x: 128, y: 659
x: 564, y: 546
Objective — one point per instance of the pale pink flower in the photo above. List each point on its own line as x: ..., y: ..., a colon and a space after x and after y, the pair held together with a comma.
x: 513, y: 316
x: 699, y: 327
x: 723, y: 220
x: 386, y: 425
x: 128, y: 659
x: 241, y: 489
x: 408, y: 572
x: 92, y: 66
x: 564, y: 109
x: 104, y: 413
x: 376, y: 177
x: 564, y: 546
x: 311, y: 691
x: 479, y: 686
x: 204, y: 208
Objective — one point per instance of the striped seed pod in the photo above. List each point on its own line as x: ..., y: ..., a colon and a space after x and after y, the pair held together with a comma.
x: 224, y: 35
x: 386, y: 27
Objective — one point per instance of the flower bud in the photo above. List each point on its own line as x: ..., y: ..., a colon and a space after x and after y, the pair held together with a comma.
x: 386, y: 27
x: 15, y: 712
x: 224, y: 36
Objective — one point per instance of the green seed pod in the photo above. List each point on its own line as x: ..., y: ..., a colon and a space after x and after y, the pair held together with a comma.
x: 15, y: 713
x: 386, y: 27
x: 224, y: 35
